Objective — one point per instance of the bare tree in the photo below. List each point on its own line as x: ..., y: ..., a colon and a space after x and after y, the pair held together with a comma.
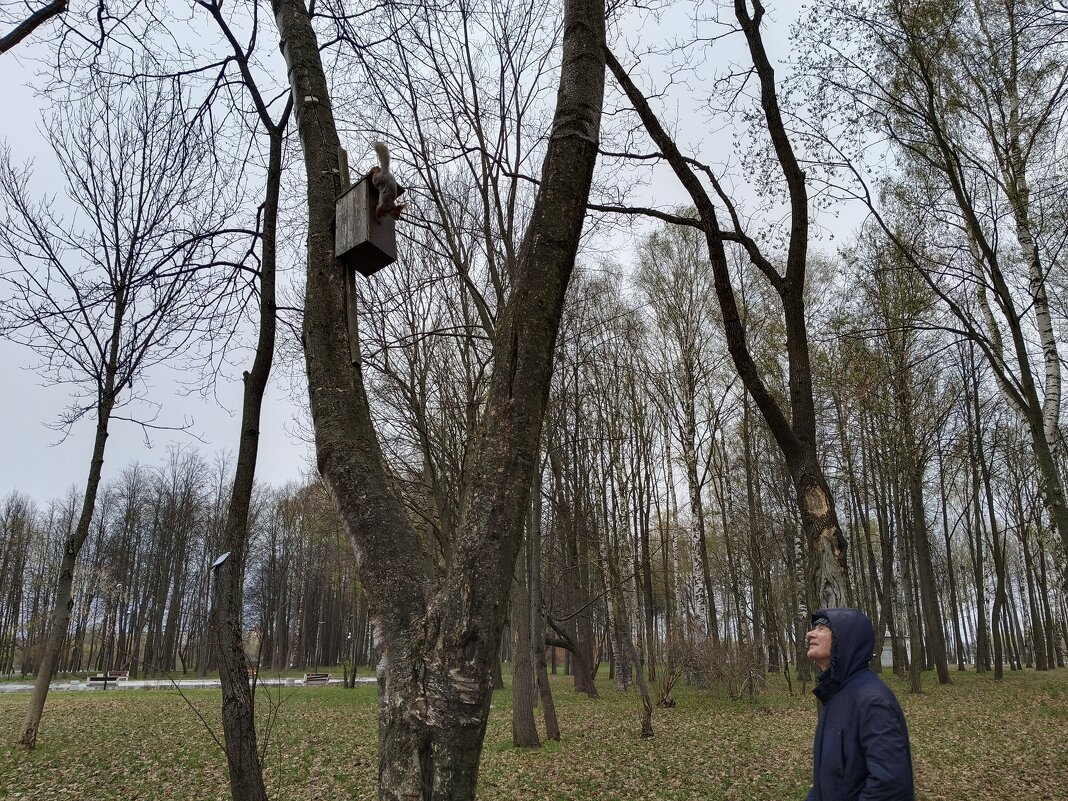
x: 793, y: 427
x: 104, y: 300
x: 238, y: 709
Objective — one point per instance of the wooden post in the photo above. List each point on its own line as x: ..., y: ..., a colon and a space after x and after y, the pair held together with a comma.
x: 343, y: 168
x: 350, y: 277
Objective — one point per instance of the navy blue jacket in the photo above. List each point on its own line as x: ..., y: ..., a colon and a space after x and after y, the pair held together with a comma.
x: 862, y: 749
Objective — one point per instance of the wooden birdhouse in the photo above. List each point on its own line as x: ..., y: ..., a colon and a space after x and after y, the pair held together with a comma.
x: 360, y: 241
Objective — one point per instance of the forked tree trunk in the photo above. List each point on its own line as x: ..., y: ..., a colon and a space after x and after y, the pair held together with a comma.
x: 439, y: 643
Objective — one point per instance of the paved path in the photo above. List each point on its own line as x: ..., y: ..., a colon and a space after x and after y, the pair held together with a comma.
x: 162, y: 684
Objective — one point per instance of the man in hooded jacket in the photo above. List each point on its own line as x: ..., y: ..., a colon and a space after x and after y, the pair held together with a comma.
x: 861, y: 752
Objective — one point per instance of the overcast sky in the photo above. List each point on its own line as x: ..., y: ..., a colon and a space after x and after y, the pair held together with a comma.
x: 36, y: 460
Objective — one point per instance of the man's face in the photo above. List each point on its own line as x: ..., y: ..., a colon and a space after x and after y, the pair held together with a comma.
x: 819, y: 646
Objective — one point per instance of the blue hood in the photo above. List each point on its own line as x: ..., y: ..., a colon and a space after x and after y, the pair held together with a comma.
x: 852, y: 644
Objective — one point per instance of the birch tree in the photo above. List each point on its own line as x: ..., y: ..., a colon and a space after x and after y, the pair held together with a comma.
x: 972, y: 96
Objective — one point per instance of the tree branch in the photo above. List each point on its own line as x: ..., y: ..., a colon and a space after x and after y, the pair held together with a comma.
x: 32, y: 23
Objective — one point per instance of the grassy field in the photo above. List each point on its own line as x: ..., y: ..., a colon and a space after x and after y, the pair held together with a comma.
x: 972, y: 740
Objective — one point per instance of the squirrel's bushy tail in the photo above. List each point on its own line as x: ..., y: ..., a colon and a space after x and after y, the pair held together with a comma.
x: 383, y: 154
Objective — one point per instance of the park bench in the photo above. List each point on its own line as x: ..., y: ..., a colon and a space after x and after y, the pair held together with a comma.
x: 113, y: 677
x: 316, y: 678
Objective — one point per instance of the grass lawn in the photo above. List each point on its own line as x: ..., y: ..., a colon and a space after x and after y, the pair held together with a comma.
x: 972, y: 740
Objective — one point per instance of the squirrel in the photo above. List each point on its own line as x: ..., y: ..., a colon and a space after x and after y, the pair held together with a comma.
x: 384, y: 181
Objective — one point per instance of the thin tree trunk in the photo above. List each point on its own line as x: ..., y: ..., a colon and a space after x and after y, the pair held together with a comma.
x: 999, y: 573
x: 911, y: 606
x: 524, y: 730
x: 643, y: 689
x: 64, y: 601
x: 928, y: 591
x: 951, y: 572
x: 1012, y: 624
x: 754, y: 549
x: 1038, y: 630
x: 537, y: 615
x: 1047, y: 612
x: 975, y: 541
x: 238, y: 706
x: 629, y: 656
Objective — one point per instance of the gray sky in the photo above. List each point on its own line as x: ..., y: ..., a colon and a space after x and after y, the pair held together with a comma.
x: 34, y: 459
x: 36, y: 463
x: 37, y: 460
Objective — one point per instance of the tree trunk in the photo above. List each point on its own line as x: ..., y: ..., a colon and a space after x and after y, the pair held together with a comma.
x: 537, y: 616
x: 932, y: 614
x: 827, y: 572
x: 548, y: 705
x: 438, y: 644
x: 578, y: 628
x: 755, y: 551
x: 998, y: 552
x: 628, y: 656
x: 1052, y: 640
x: 1012, y: 625
x: 643, y: 688
x: 954, y: 605
x: 697, y: 532
x: 644, y: 554
x: 239, y: 703
x: 975, y: 541
x: 524, y: 730
x: 64, y: 602
x: 911, y: 613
